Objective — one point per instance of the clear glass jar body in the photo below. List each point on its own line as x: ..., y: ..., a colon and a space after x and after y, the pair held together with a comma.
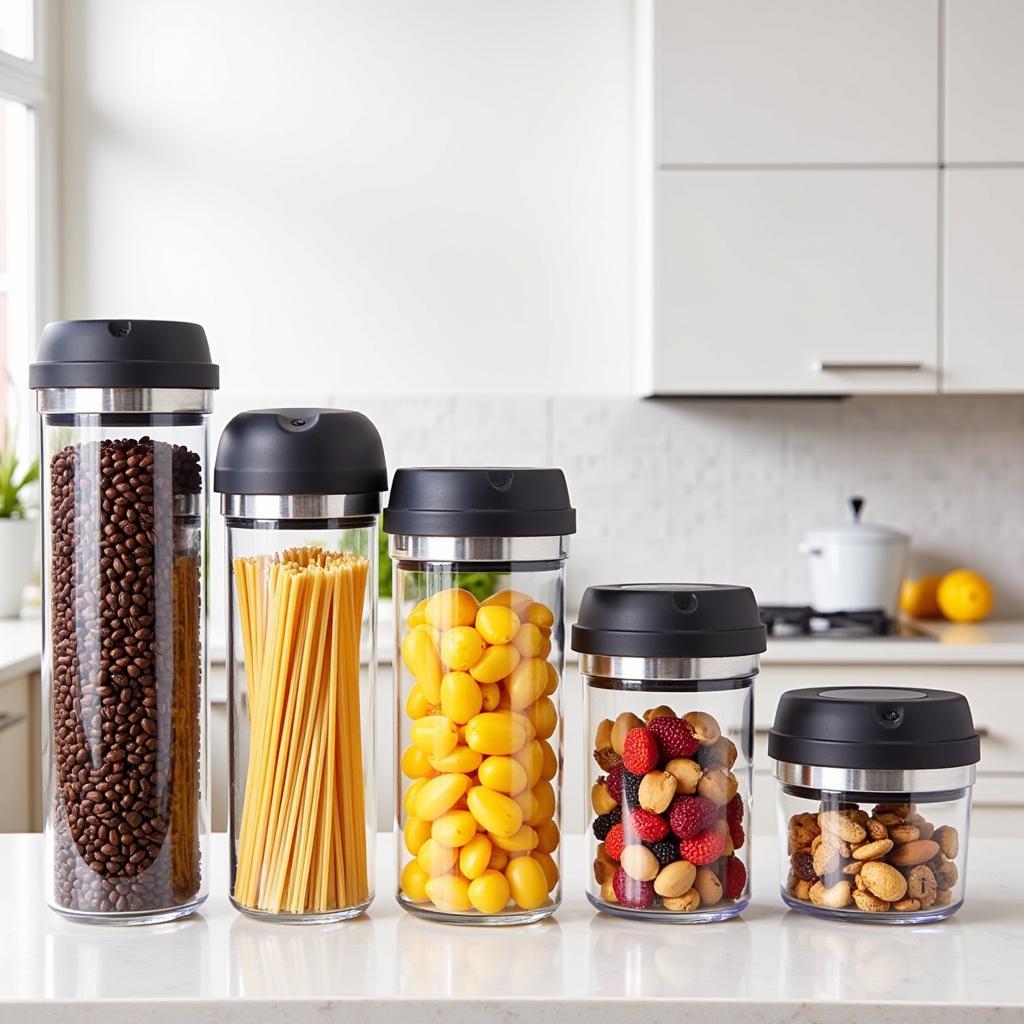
x: 125, y: 514
x: 669, y: 841
x: 479, y: 739
x: 882, y: 858
x: 302, y: 658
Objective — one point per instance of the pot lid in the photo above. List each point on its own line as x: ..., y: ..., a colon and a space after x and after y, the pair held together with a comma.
x: 856, y: 531
x: 874, y: 727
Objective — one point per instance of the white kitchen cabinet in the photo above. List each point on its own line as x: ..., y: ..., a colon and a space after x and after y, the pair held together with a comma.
x: 794, y: 282
x: 796, y: 81
x: 984, y: 81
x: 983, y: 270
x: 19, y: 797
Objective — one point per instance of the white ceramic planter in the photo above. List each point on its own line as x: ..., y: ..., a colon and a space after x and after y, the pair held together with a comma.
x: 17, y: 558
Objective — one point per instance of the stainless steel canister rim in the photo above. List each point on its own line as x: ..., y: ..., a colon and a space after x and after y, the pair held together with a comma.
x: 876, y: 780
x: 420, y: 548
x: 632, y: 673
x: 98, y: 401
x: 299, y: 506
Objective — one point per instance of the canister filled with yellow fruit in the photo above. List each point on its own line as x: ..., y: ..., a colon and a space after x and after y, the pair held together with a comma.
x: 479, y: 587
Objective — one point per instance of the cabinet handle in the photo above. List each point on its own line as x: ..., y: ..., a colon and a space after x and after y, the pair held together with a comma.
x: 8, y: 720
x: 830, y: 366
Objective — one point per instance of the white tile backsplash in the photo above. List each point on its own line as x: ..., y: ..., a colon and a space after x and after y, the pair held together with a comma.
x: 720, y: 490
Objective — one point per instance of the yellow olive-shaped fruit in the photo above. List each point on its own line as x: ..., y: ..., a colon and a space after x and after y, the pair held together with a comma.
x: 451, y: 608
x: 460, y: 759
x: 544, y: 717
x: 409, y: 800
x: 547, y: 837
x: 415, y: 833
x: 416, y: 704
x: 491, y: 694
x: 495, y: 732
x: 450, y: 892
x: 548, y: 866
x: 490, y: 892
x: 504, y: 774
x: 421, y: 658
x: 527, y: 683
x: 496, y: 624
x: 440, y: 794
x: 550, y: 767
x: 529, y: 641
x: 523, y: 841
x: 414, y: 881
x: 539, y: 614
x: 509, y: 599
x: 416, y: 616
x: 461, y: 698
x: 527, y: 882
x: 416, y: 764
x: 475, y: 856
x: 495, y: 663
x: 435, y: 735
x: 453, y: 828
x: 498, y: 814
x: 461, y: 648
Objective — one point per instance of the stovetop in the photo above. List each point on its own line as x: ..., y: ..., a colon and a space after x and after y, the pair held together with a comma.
x: 800, y: 621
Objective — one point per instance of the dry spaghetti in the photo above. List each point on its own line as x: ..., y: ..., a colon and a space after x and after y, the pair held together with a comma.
x: 301, y: 841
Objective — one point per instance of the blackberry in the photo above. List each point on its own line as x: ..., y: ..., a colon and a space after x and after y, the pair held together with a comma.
x: 631, y: 789
x: 666, y: 850
x: 606, y: 822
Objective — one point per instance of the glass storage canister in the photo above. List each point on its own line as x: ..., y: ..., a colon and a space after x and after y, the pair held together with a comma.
x: 300, y: 491
x: 874, y: 801
x: 123, y: 416
x: 669, y: 672
x: 479, y: 579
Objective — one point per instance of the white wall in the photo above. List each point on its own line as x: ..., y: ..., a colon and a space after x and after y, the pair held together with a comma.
x: 389, y: 196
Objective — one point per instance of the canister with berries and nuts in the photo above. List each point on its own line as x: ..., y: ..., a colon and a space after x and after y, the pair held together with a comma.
x: 124, y: 406
x: 479, y: 576
x: 668, y: 671
x: 874, y: 801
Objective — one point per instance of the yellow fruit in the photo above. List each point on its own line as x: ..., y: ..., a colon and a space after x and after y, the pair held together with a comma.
x: 544, y: 717
x: 547, y: 837
x: 920, y: 598
x: 527, y: 882
x: 540, y: 615
x: 416, y: 616
x: 491, y: 693
x: 503, y: 774
x: 552, y: 676
x: 416, y: 704
x: 509, y: 599
x: 414, y: 881
x: 498, y: 814
x: 436, y: 859
x: 532, y: 758
x: 449, y: 893
x: 495, y: 732
x: 522, y: 841
x: 544, y: 794
x: 415, y: 833
x: 529, y: 641
x: 461, y: 759
x: 435, y: 735
x: 409, y: 800
x: 527, y: 683
x: 475, y: 856
x: 420, y: 657
x: 461, y: 698
x: 497, y: 624
x: 965, y: 596
x: 499, y: 859
x: 550, y: 767
x: 416, y: 764
x: 495, y: 663
x: 461, y: 648
x: 548, y: 866
x: 490, y: 892
x: 451, y: 608
x: 454, y: 828
x: 440, y: 794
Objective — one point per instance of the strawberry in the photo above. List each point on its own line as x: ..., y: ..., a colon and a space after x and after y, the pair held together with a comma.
x: 645, y: 826
x: 689, y: 815
x: 734, y: 879
x: 615, y: 842
x: 630, y: 893
x: 703, y: 848
x: 614, y: 783
x: 640, y: 751
x: 675, y: 737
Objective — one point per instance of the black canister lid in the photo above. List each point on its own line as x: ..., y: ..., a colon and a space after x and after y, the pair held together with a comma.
x: 123, y: 354
x: 301, y: 451
x: 874, y: 727
x: 669, y: 620
x: 462, y: 501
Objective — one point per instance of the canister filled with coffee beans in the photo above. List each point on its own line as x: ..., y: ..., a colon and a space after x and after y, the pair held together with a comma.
x: 123, y: 410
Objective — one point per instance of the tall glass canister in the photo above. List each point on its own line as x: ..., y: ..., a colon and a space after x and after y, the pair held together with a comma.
x: 668, y: 671
x: 300, y: 492
x: 123, y: 410
x: 479, y: 563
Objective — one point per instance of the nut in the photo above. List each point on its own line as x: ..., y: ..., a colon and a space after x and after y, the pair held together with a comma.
x: 921, y: 884
x: 689, y: 901
x: 948, y: 840
x: 853, y: 868
x: 842, y: 825
x: 608, y: 892
x: 904, y: 833
x: 926, y: 829
x: 717, y: 785
x: 626, y: 721
x: 945, y: 872
x: 722, y: 826
x: 943, y: 898
x: 686, y: 773
x: 602, y: 799
x: 802, y: 889
x: 835, y: 897
x: 708, y: 885
x: 918, y: 851
x: 887, y: 818
x: 875, y: 829
x: 638, y: 862
x: 607, y: 759
x: 675, y: 879
x: 899, y: 810
x: 656, y: 791
x: 604, y: 866
x: 603, y: 734
x: 705, y: 728
x: 869, y: 902
x: 826, y: 860
x: 872, y: 851
x: 859, y: 882
x: 721, y: 754
x: 883, y: 880
x: 661, y: 711
x: 803, y: 828
x: 907, y: 904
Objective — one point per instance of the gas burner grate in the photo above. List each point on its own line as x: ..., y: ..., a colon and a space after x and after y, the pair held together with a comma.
x: 803, y: 620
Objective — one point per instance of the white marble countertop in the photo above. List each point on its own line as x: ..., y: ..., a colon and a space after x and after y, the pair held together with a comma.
x: 20, y: 642
x: 769, y: 965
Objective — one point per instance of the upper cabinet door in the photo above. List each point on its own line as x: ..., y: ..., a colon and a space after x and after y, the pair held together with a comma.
x: 984, y: 271
x: 984, y: 81
x: 795, y: 282
x: 797, y: 81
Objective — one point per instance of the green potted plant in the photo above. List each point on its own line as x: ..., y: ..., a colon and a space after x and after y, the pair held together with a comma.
x: 17, y: 530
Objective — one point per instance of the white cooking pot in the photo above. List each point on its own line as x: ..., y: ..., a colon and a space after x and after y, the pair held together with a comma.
x: 856, y: 566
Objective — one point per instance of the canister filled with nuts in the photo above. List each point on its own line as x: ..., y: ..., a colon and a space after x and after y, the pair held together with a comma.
x: 123, y: 407
x: 479, y: 577
x: 874, y: 801
x: 669, y: 672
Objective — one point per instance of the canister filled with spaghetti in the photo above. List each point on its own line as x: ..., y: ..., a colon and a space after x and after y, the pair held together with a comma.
x: 300, y: 493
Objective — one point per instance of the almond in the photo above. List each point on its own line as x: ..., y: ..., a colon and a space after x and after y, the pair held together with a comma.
x: 656, y: 792
x: 705, y: 728
x: 945, y: 872
x: 918, y: 851
x: 638, y: 862
x: 872, y: 851
x: 603, y: 735
x: 723, y: 753
x: 687, y: 774
x: 685, y: 904
x: 842, y: 825
x: 883, y: 880
x: 708, y: 885
x: 904, y: 833
x: 602, y: 799
x: 948, y: 839
x: 717, y: 785
x: 675, y: 879
x: 608, y: 892
x: 626, y: 721
x: 907, y: 905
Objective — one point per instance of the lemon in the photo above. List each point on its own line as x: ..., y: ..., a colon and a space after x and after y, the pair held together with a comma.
x: 920, y: 598
x: 965, y: 596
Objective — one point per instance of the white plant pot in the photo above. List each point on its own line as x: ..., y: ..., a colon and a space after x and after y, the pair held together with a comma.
x: 17, y: 558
